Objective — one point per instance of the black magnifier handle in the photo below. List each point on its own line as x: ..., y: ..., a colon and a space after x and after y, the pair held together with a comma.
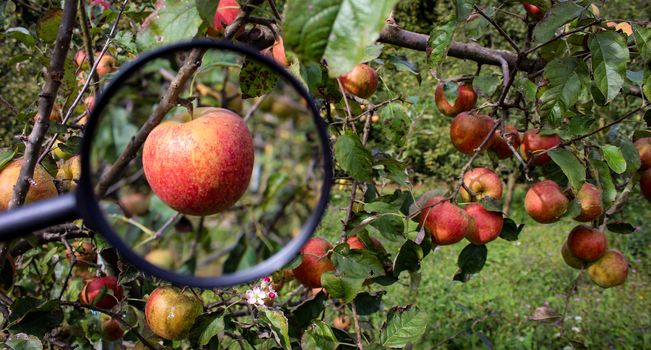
x: 38, y: 215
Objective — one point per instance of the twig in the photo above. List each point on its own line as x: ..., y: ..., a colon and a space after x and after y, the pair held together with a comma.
x: 255, y: 107
x: 499, y: 29
x: 88, y: 43
x: 358, y: 330
x: 11, y: 107
x: 274, y: 9
x: 568, y: 298
x: 559, y: 36
x: 73, y: 262
x: 46, y: 102
x: 113, y: 315
x: 349, y: 114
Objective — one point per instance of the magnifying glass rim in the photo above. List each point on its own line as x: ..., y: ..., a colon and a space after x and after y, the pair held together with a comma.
x: 93, y: 215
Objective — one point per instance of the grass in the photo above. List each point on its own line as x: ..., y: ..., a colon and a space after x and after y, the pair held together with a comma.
x: 493, y: 309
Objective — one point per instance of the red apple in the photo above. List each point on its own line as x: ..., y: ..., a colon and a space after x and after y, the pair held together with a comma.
x: 545, y: 202
x: 589, y: 198
x: 610, y: 270
x: 499, y: 146
x: 341, y: 322
x: 533, y: 144
x: 483, y: 182
x: 42, y: 186
x: 643, y: 146
x: 570, y: 259
x: 316, y: 261
x: 277, y: 52
x: 362, y: 81
x: 200, y: 167
x: 586, y: 243
x: 489, y: 224
x: 534, y: 11
x: 468, y: 131
x: 227, y: 12
x: 447, y: 223
x: 465, y: 101
x: 171, y: 312
x: 645, y: 184
x: 105, y: 289
x: 112, y: 330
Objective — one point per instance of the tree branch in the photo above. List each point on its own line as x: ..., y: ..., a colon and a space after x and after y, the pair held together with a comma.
x: 46, y: 102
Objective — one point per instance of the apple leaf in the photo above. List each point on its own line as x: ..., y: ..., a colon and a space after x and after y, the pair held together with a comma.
x: 621, y: 227
x: 615, y: 158
x: 568, y: 78
x: 47, y: 26
x: 605, y: 181
x: 631, y: 156
x: 22, y: 341
x: 256, y: 79
x: 367, y: 303
x: 345, y: 288
x: 34, y: 316
x: 6, y: 156
x: 21, y: 34
x: 353, y: 157
x: 207, y: 9
x: 319, y: 336
x: 337, y: 30
x: 559, y: 15
x: 178, y: 20
x: 571, y: 167
x: 207, y: 327
x: 408, y: 258
x: 403, y: 326
x: 609, y: 59
x: 471, y: 260
x: 278, y: 324
x: 439, y: 42
x: 511, y: 230
x: 642, y: 40
x: 463, y: 9
x: 308, y: 310
x: 357, y: 263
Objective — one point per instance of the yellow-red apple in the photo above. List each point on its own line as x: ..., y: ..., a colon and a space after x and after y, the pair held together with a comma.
x: 533, y: 145
x: 316, y: 261
x: 465, y: 101
x: 645, y: 184
x: 362, y: 81
x: 570, y: 259
x: 610, y: 270
x: 171, y: 312
x: 592, y: 206
x: 200, y: 167
x: 489, y: 224
x: 643, y: 147
x: 468, y: 131
x: 40, y: 188
x: 483, y: 182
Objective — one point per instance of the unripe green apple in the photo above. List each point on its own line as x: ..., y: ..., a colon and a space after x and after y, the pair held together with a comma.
x: 316, y: 261
x: 200, y: 167
x: 171, y: 312
x: 42, y: 186
x: 545, y: 202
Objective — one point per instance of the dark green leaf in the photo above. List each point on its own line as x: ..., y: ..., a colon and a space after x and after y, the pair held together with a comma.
x: 357, y: 263
x: 21, y: 34
x: 631, y: 156
x: 341, y: 287
x: 48, y: 25
x: 609, y: 59
x: 581, y: 124
x: 408, y: 258
x: 368, y: 304
x: 570, y: 165
x: 353, y: 157
x: 559, y: 15
x: 319, y: 336
x: 206, y: 328
x: 310, y: 309
x: 6, y: 156
x: 491, y: 204
x: 642, y: 40
x: 614, y: 157
x: 621, y: 227
x: 472, y: 258
x: 278, y: 324
x: 605, y: 181
x: 403, y: 326
x: 34, y: 316
x: 511, y: 230
x: 256, y: 79
x: 567, y: 77
x: 486, y: 84
x: 207, y: 9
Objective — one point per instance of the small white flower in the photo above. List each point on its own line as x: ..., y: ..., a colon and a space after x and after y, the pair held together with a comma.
x: 255, y: 296
x: 578, y: 318
x: 576, y: 329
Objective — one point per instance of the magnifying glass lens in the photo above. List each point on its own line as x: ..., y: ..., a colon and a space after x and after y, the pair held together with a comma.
x: 206, y: 162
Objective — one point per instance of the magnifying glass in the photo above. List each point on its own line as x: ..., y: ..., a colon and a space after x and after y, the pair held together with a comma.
x: 223, y: 152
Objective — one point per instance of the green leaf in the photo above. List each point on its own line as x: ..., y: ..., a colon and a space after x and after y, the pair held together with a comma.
x: 642, y: 40
x: 615, y: 158
x: 372, y: 52
x: 403, y: 326
x: 357, y: 263
x: 353, y: 157
x: 178, y: 20
x: 278, y: 324
x: 609, y: 59
x: 22, y: 341
x: 491, y: 204
x: 621, y: 227
x: 581, y: 124
x: 511, y: 230
x: 256, y: 79
x: 487, y: 83
x: 206, y: 328
x: 381, y: 207
x: 631, y: 156
x: 34, y: 316
x: 559, y: 15
x: 47, y: 26
x: 319, y: 336
x: 6, y: 156
x: 408, y: 258
x: 471, y: 260
x: 337, y: 30
x: 568, y: 78
x: 341, y: 287
x: 571, y: 167
x: 605, y: 181
x: 439, y: 42
x: 464, y: 9
x: 21, y: 34
x: 207, y: 9
x: 310, y: 309
x: 367, y: 303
